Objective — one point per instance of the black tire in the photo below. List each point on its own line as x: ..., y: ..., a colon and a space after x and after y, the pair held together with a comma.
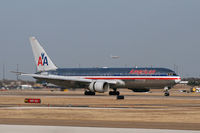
x: 120, y: 97
x: 167, y: 94
x: 89, y: 93
x: 114, y: 93
x: 85, y: 93
x: 93, y: 93
x: 111, y: 93
x: 117, y: 93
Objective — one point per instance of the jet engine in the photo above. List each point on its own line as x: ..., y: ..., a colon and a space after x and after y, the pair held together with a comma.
x: 140, y: 89
x: 99, y: 86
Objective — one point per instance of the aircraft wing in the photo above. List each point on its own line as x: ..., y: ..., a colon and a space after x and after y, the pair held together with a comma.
x: 68, y: 81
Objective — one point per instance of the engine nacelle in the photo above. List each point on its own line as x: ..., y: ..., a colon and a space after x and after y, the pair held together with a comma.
x: 139, y: 89
x: 99, y: 86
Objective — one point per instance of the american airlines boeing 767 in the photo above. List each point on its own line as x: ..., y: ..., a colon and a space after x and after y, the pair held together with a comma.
x: 101, y: 79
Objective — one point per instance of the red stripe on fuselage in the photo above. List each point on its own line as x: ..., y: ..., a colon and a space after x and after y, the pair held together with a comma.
x: 133, y: 78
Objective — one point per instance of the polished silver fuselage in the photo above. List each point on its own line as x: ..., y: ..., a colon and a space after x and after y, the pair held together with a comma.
x: 151, y: 78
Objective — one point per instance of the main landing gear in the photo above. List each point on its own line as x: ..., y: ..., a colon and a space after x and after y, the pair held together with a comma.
x: 117, y: 93
x: 166, y: 91
x: 89, y: 93
x: 114, y: 92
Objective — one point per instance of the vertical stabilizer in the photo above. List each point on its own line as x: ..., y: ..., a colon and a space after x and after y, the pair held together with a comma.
x: 42, y: 60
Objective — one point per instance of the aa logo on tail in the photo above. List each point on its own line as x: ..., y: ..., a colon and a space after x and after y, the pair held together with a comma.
x: 42, y: 60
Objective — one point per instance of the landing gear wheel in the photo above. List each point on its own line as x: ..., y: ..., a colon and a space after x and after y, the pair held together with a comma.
x: 166, y: 94
x: 117, y: 93
x: 120, y: 97
x: 89, y: 93
x: 114, y: 93
x: 110, y: 92
x: 166, y: 91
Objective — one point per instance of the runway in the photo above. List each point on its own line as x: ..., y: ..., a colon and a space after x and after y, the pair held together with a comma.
x: 80, y: 94
x: 180, y: 111
x: 69, y: 129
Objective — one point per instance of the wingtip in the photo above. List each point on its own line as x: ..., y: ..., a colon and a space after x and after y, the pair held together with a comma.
x: 18, y: 73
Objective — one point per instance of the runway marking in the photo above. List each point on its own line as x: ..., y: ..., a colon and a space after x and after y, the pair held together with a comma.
x: 65, y: 129
x: 17, y: 108
x: 85, y: 108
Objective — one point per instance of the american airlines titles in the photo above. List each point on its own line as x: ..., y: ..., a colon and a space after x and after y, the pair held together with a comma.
x: 142, y: 71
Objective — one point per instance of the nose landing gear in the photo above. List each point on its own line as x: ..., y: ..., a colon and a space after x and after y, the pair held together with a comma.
x: 166, y: 91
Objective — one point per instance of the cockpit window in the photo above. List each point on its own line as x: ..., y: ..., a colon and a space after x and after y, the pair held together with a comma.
x: 172, y: 74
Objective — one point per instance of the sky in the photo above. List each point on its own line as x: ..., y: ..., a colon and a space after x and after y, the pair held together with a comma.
x: 84, y: 33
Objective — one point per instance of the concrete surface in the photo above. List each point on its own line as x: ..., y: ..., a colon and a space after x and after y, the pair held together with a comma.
x: 180, y: 111
x: 69, y: 129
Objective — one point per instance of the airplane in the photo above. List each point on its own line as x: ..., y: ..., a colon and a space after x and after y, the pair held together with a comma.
x: 101, y: 80
x: 114, y: 57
